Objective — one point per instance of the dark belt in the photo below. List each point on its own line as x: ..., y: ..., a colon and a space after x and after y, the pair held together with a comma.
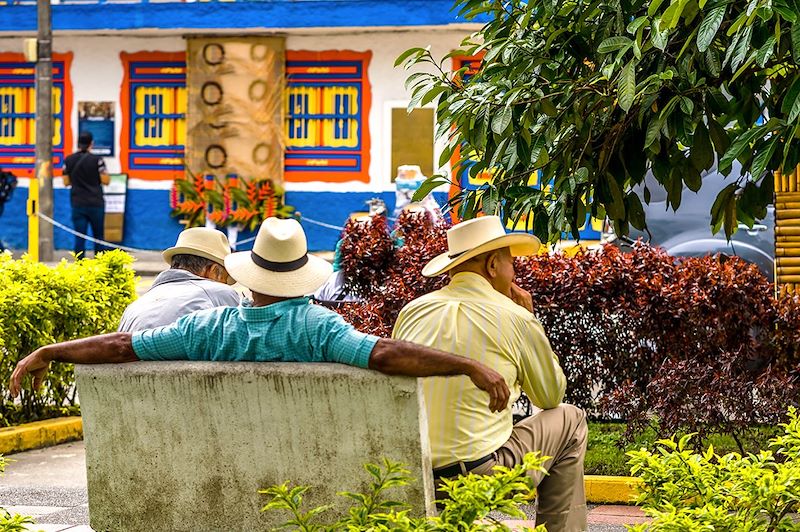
x: 455, y: 469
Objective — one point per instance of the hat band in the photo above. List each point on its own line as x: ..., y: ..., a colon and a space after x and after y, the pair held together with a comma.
x: 456, y: 255
x: 279, y: 266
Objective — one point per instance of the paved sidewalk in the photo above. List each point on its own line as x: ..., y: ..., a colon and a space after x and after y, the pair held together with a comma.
x: 50, y: 485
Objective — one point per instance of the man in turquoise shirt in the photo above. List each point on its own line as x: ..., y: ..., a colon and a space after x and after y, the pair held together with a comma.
x: 281, y: 325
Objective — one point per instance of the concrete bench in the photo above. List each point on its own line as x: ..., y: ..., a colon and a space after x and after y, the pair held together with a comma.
x: 187, y: 445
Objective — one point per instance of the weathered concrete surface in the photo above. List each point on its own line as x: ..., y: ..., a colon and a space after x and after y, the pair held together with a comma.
x: 187, y: 445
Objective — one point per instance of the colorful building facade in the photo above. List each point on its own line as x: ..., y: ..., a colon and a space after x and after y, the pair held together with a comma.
x: 304, y: 94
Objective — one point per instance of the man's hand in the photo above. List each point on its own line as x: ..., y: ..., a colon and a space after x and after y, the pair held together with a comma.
x: 35, y: 364
x: 521, y: 297
x: 494, y: 384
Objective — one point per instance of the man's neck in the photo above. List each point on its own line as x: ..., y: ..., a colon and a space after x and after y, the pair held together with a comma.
x: 263, y: 300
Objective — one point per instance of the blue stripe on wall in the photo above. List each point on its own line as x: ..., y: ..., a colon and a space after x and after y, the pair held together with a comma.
x: 148, y: 224
x: 239, y: 14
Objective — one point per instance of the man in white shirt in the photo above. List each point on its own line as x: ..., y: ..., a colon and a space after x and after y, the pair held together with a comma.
x: 197, y: 280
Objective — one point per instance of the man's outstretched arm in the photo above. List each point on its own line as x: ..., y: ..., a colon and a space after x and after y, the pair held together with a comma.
x: 396, y: 357
x: 104, y: 349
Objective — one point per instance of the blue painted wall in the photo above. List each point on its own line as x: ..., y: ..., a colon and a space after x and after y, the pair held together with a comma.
x: 239, y: 14
x: 148, y: 224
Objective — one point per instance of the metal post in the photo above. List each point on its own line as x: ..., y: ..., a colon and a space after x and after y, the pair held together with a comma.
x: 44, y: 126
x: 33, y: 220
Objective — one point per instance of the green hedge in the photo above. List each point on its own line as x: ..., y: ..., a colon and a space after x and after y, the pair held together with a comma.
x: 41, y: 305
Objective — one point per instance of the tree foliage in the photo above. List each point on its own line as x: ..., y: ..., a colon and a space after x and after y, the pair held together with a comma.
x: 592, y: 94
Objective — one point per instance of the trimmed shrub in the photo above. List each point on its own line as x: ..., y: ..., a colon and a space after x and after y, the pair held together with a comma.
x: 696, y: 345
x: 684, y: 490
x: 41, y: 305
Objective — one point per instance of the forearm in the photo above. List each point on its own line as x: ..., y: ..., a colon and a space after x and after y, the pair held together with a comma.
x: 105, y: 349
x: 396, y: 357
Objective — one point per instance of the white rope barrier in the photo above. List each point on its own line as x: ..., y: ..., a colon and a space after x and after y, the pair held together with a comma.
x: 321, y: 224
x: 135, y: 250
x: 87, y: 237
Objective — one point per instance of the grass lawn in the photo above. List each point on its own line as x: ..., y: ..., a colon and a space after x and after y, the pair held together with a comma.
x: 605, y: 457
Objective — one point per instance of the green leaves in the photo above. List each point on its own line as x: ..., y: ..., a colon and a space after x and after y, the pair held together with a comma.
x: 765, y: 52
x: 791, y: 103
x: 469, y: 500
x: 701, y: 155
x: 795, y: 35
x: 578, y: 85
x: 627, y: 86
x: 710, y: 26
x: 612, y: 44
x: 41, y: 305
x: 738, y: 146
x: 501, y: 120
x: 723, y: 211
x: 428, y: 185
x: 685, y: 490
x: 762, y: 158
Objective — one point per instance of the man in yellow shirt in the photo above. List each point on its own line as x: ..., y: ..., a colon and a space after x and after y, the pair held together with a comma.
x: 482, y: 315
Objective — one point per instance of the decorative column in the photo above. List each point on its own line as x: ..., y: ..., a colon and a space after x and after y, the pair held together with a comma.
x: 787, y: 231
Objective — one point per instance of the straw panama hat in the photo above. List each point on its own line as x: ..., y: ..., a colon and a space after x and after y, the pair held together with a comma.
x: 473, y: 237
x: 201, y: 242
x: 279, y: 264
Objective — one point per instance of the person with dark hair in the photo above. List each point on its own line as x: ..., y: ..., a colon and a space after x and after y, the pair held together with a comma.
x: 86, y: 173
x: 197, y: 280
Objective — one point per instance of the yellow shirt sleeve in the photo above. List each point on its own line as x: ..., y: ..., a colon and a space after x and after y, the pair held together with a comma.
x: 540, y: 373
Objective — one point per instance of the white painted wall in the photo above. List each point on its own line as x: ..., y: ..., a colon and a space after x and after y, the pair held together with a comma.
x: 97, y: 76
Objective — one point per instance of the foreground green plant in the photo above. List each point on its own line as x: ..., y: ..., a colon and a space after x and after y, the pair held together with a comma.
x: 469, y: 500
x: 9, y: 522
x: 684, y: 490
x: 42, y: 305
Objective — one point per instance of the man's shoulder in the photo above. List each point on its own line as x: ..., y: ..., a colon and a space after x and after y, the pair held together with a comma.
x: 437, y: 296
x: 217, y: 288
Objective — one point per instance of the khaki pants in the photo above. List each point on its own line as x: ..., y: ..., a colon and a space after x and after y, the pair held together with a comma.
x: 560, y: 433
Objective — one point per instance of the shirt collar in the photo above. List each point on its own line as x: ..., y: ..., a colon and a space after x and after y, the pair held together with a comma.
x: 474, y: 285
x: 174, y: 275
x: 271, y: 312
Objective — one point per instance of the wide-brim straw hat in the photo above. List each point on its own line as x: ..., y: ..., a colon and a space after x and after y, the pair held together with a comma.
x: 201, y: 242
x: 473, y: 237
x: 279, y: 264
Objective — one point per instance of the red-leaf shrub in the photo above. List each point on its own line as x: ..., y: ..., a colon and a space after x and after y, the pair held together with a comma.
x: 400, y: 280
x: 367, y: 251
x: 697, y: 344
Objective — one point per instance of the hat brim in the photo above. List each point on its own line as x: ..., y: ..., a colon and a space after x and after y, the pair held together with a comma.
x: 297, y: 283
x: 168, y: 253
x: 521, y: 244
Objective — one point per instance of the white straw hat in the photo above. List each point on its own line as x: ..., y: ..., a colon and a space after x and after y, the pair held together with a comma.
x: 279, y: 264
x: 479, y: 235
x: 201, y: 242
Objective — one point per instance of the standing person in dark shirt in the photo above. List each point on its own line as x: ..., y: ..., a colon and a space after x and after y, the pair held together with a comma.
x: 85, y: 172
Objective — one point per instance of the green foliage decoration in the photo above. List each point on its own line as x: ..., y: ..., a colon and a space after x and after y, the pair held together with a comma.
x: 685, y: 490
x: 470, y: 499
x: 594, y: 94
x: 41, y: 305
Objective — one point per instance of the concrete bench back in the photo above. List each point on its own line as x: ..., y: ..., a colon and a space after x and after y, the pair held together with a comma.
x: 187, y: 445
